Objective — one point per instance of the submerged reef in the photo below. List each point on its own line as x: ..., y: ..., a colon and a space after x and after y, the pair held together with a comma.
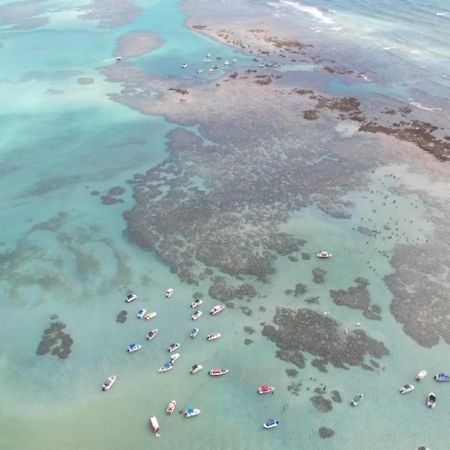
x: 110, y: 13
x: 55, y: 341
x: 222, y: 291
x: 357, y: 297
x: 307, y: 331
x: 418, y: 285
x: 122, y: 316
x: 322, y: 404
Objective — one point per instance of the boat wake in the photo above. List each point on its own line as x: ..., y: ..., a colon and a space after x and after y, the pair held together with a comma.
x: 311, y: 10
x: 425, y: 108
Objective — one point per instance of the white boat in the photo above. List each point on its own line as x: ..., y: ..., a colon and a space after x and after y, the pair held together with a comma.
x: 270, y: 423
x: 196, y: 368
x: 174, y: 357
x: 357, y: 399
x: 217, y: 309
x: 155, y: 426
x: 183, y: 66
x: 265, y: 389
x: 171, y: 407
x: 431, y: 400
x: 217, y: 372
x: 421, y: 375
x: 130, y: 298
x: 191, y: 412
x: 196, y: 315
x: 150, y: 315
x: 119, y: 58
x: 133, y: 348
x: 141, y: 313
x: 323, y: 254
x: 196, y: 303
x: 152, y: 334
x: 406, y: 388
x: 213, y: 336
x: 169, y: 292
x: 108, y: 383
x: 167, y: 366
x: 194, y: 332
x: 199, y: 71
x: 174, y: 346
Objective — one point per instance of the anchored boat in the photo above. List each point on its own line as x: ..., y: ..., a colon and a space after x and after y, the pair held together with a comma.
x: 323, y: 254
x: 217, y: 372
x: 171, y: 407
x: 265, y: 389
x: 271, y: 423
x: 150, y: 315
x: 196, y: 368
x: 174, y: 346
x: 213, y: 336
x: 421, y: 375
x: 130, y: 298
x: 196, y: 303
x: 406, y: 388
x: 167, y: 366
x: 431, y: 400
x: 191, y: 412
x: 194, y: 332
x: 155, y: 425
x: 196, y: 315
x: 141, y: 313
x: 108, y: 383
x: 217, y: 309
x: 169, y: 292
x: 133, y: 348
x: 443, y: 377
x: 357, y: 399
x: 152, y: 334
x: 174, y: 357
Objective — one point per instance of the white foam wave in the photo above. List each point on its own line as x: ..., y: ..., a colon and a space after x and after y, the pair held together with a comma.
x: 443, y: 14
x: 311, y: 10
x: 425, y: 108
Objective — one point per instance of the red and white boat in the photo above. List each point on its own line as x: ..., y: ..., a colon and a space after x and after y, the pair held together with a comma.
x: 171, y: 407
x: 217, y: 372
x: 265, y: 389
x: 217, y: 309
x: 155, y: 425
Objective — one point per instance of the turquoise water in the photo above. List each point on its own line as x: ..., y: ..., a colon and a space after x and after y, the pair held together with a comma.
x: 64, y: 253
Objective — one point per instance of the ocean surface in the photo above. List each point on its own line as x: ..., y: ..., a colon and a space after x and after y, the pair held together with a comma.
x: 65, y: 256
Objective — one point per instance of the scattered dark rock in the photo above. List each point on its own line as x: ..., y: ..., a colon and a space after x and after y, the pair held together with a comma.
x: 321, y: 403
x: 109, y: 200
x: 116, y: 191
x: 336, y: 397
x: 121, y: 317
x: 306, y: 256
x: 291, y: 372
x: 319, y: 275
x: 325, y: 432
x: 248, y: 341
x: 55, y: 341
x: 246, y: 310
x: 249, y: 330
x: 95, y: 193
x: 312, y: 300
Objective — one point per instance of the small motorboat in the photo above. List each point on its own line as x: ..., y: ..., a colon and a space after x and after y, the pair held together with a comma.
x: 174, y: 346
x: 199, y: 71
x: 133, y: 348
x: 191, y: 412
x: 265, y: 389
x: 150, y: 315
x: 171, y: 407
x: 119, y: 58
x: 155, y: 426
x: 357, y: 400
x: 167, y: 366
x: 141, y: 313
x: 194, y: 332
x: 431, y: 400
x: 169, y: 292
x: 108, y: 383
x: 226, y: 62
x: 443, y: 377
x: 217, y: 372
x: 196, y: 303
x: 174, y: 357
x: 183, y: 66
x: 196, y: 368
x: 130, y: 298
x: 270, y: 423
x: 421, y: 375
x: 217, y: 309
x: 213, y: 336
x: 323, y: 254
x: 196, y: 315
x: 152, y: 334
x: 406, y: 388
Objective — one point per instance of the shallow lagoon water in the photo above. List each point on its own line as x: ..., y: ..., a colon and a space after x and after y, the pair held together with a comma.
x: 56, y: 149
